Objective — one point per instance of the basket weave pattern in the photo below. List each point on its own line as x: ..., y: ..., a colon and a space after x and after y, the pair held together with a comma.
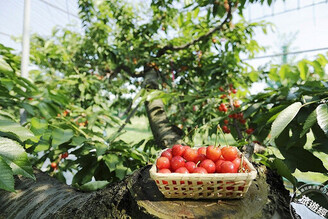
x: 205, y: 186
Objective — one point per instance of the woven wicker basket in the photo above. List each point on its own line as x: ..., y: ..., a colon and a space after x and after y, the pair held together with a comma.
x: 204, y: 186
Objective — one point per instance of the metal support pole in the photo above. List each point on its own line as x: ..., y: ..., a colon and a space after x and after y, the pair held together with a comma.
x: 25, y: 49
x: 26, y: 39
x: 284, y: 56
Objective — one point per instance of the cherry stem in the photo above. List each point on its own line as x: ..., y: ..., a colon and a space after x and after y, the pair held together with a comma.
x: 219, y: 127
x: 216, y: 136
x: 191, y: 131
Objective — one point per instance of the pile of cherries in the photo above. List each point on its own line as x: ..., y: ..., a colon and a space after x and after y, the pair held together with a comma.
x: 211, y: 159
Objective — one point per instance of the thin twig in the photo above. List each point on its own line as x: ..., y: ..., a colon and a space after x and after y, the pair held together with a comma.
x: 166, y: 48
x: 127, y: 120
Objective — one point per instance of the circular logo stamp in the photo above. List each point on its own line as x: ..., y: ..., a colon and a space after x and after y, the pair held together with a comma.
x: 310, y: 201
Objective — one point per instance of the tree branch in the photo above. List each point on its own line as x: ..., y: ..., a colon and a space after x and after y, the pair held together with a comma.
x: 113, y: 73
x: 166, y: 48
x: 127, y: 120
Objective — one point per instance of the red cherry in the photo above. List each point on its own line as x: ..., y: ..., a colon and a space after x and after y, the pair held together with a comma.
x: 202, y: 150
x: 164, y: 171
x: 226, y: 121
x: 221, y: 89
x: 229, y: 153
x: 190, y: 166
x: 223, y: 107
x: 213, y: 153
x: 190, y: 154
x: 64, y: 155
x: 233, y: 116
x: 167, y: 154
x: 66, y: 113
x: 200, y: 170
x: 182, y: 170
x: 223, y: 96
x: 200, y: 158
x: 237, y: 162
x: 242, y: 121
x: 233, y: 91
x: 225, y: 129
x: 177, y: 150
x: 185, y: 148
x: 236, y: 103
x: 208, y: 165
x: 249, y: 131
x: 228, y: 167
x: 218, y: 165
x: 163, y: 163
x: 53, y: 165
x: 177, y: 162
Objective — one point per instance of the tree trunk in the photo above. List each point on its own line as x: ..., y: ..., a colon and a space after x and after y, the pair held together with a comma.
x: 164, y: 133
x: 137, y: 195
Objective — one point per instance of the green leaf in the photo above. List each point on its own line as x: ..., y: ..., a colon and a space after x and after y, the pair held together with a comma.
x: 196, y: 11
x: 309, y: 122
x: 28, y: 108
x: 180, y: 20
x: 6, y: 177
x: 92, y: 186
x: 6, y: 114
x: 317, y: 68
x: 254, y: 76
x: 120, y: 171
x: 111, y: 161
x: 85, y: 174
x: 78, y: 140
x: 322, y: 117
x: 320, y: 145
x: 8, y: 83
x: 283, y: 170
x: 42, y: 145
x: 250, y: 110
x: 303, y: 160
x: 44, y: 110
x: 284, y: 118
x: 9, y: 126
x: 322, y: 60
x: 60, y: 136
x: 273, y: 74
x: 284, y: 71
x: 100, y: 149
x: 38, y: 126
x: 15, y: 156
x: 303, y: 68
x: 157, y: 94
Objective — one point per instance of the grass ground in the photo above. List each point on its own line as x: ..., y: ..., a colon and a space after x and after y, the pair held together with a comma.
x: 135, y: 131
